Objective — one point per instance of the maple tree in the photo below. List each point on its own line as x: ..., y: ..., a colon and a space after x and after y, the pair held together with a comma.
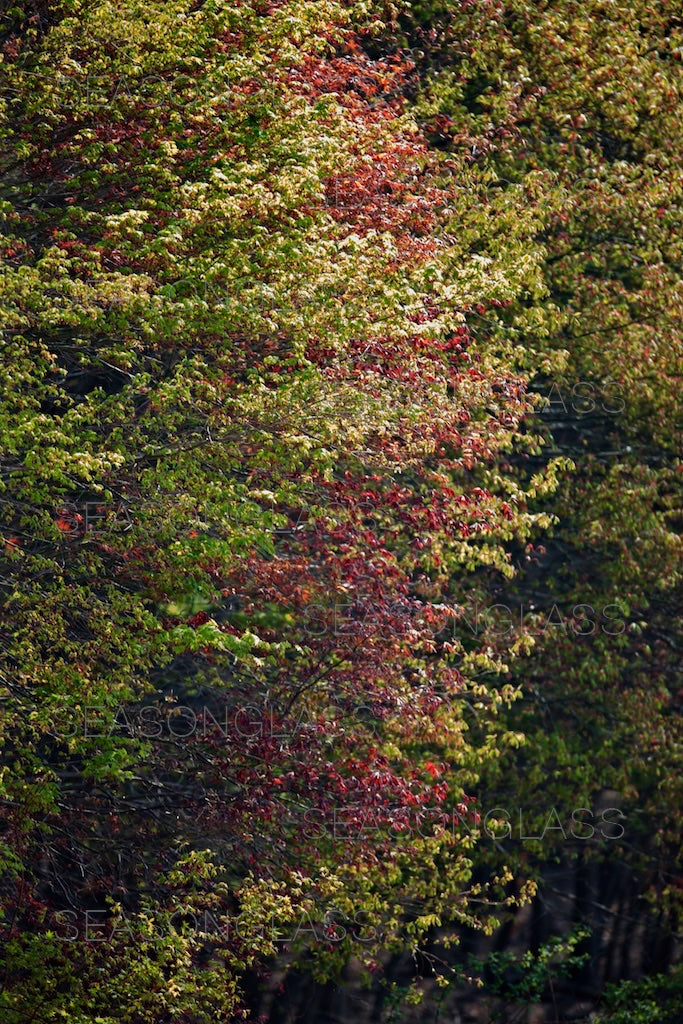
x: 241, y: 396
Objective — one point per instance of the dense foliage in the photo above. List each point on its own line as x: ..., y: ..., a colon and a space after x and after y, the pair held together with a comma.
x: 341, y: 490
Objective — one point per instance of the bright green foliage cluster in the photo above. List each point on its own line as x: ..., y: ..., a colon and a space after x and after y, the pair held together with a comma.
x: 654, y: 1000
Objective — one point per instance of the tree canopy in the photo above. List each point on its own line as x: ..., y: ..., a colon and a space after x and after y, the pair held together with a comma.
x: 340, y: 483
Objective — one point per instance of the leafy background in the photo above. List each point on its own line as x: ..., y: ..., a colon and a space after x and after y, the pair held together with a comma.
x: 341, y: 495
